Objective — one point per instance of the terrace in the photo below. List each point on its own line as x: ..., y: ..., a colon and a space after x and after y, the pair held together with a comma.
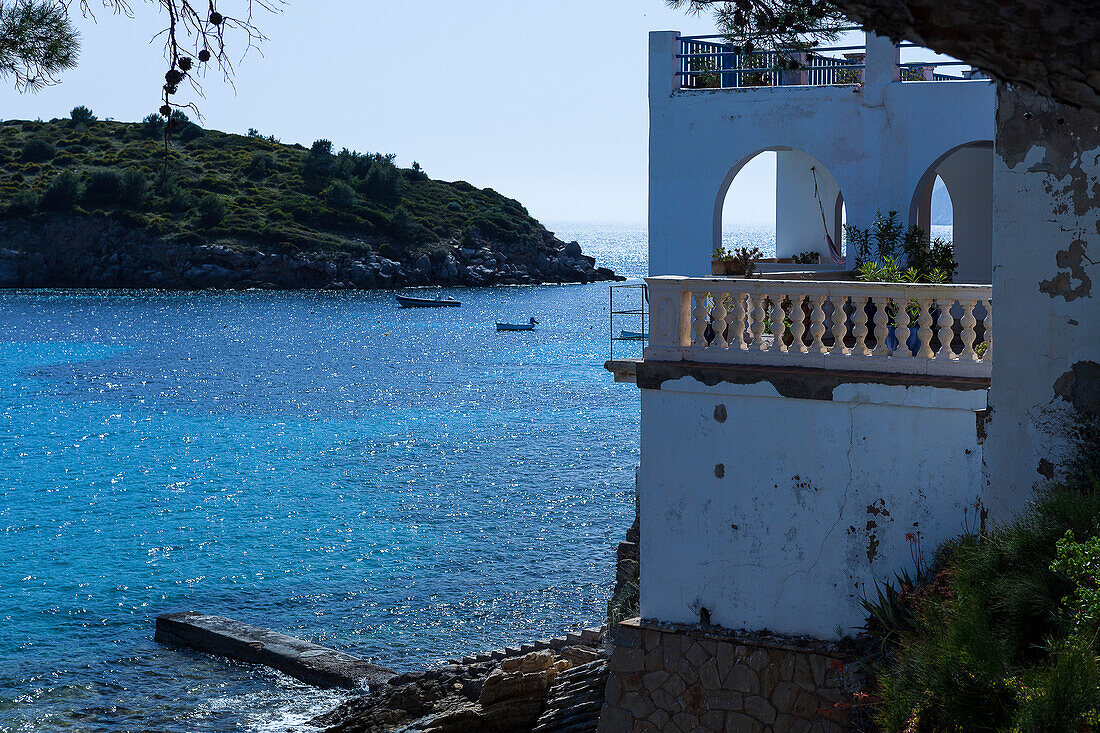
x: 712, y: 62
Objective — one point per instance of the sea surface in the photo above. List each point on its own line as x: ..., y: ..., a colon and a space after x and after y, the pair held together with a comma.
x: 407, y: 485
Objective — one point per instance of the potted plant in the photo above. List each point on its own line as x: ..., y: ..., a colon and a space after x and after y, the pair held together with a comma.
x: 886, y: 252
x: 740, y: 262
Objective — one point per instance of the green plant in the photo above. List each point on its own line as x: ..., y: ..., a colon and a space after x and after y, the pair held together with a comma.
x: 887, y: 252
x: 23, y: 203
x: 1011, y: 647
x: 134, y: 188
x: 807, y: 258
x: 81, y: 116
x: 104, y: 186
x: 340, y: 195
x: 747, y: 258
x: 62, y: 193
x: 38, y: 151
x: 152, y: 127
x: 212, y: 209
x: 261, y: 165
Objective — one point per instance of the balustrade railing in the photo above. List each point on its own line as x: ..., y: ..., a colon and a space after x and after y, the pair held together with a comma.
x: 842, y: 325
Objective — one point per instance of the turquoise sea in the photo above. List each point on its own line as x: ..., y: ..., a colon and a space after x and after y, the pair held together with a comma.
x: 408, y: 485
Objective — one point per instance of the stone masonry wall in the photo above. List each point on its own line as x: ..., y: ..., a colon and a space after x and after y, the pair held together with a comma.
x: 671, y: 677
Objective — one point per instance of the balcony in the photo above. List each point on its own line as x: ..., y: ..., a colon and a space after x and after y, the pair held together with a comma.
x: 712, y: 62
x: 850, y: 326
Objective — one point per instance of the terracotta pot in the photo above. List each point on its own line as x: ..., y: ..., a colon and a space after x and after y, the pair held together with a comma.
x: 726, y: 268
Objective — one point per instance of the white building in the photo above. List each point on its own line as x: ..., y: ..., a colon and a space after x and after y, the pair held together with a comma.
x: 782, y: 477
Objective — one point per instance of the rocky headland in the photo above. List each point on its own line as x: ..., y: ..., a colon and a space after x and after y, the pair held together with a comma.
x: 96, y: 252
x: 101, y: 204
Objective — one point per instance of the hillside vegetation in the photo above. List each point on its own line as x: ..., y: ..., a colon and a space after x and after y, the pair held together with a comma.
x: 239, y: 193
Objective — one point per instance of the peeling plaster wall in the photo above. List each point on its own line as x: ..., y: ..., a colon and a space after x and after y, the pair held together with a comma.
x: 877, y: 141
x: 1046, y: 243
x: 779, y: 516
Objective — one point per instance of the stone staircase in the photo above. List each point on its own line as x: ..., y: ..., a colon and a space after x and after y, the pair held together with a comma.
x: 591, y: 637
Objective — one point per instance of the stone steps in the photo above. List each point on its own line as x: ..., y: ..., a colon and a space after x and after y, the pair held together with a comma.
x: 592, y: 636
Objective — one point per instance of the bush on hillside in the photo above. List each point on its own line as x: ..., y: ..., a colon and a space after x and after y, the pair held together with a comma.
x: 261, y: 165
x: 319, y: 161
x: 382, y: 182
x: 340, y: 195
x: 23, y: 203
x: 81, y: 115
x: 104, y: 186
x: 62, y: 193
x: 152, y: 127
x: 38, y: 151
x: 134, y: 189
x: 212, y: 210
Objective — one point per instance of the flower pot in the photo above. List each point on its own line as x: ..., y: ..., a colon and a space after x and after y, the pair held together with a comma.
x: 912, y: 342
x: 726, y: 268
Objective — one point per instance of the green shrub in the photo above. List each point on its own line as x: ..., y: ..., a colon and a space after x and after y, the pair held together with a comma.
x: 62, y: 193
x: 340, y: 195
x: 404, y: 227
x: 24, y: 203
x: 135, y: 188
x: 382, y: 182
x: 1004, y: 638
x: 175, y: 197
x: 319, y: 161
x: 81, y: 115
x: 104, y: 186
x: 261, y: 165
x: 152, y: 127
x: 38, y: 151
x: 212, y: 210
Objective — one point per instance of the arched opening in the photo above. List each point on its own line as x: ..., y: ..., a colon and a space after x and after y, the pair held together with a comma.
x: 786, y: 203
x: 954, y: 200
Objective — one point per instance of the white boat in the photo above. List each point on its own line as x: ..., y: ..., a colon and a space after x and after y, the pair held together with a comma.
x: 529, y: 326
x: 633, y: 336
x: 436, y: 302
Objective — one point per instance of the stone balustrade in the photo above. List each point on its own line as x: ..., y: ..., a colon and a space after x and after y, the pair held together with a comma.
x: 840, y: 325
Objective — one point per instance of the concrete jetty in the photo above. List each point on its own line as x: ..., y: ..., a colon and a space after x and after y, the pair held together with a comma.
x: 311, y: 663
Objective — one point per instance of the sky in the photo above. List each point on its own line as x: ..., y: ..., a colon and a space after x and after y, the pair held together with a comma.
x: 542, y: 101
x: 546, y: 102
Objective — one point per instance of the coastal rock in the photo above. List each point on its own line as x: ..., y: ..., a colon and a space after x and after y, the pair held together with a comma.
x: 541, y: 691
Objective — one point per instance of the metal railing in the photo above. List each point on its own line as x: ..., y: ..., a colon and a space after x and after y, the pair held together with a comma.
x: 712, y: 62
x: 628, y: 307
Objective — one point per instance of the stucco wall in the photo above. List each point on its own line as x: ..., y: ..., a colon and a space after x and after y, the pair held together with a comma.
x: 877, y: 141
x: 774, y: 512
x: 1046, y: 242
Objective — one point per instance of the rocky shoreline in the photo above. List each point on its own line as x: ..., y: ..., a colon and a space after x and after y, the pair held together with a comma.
x: 552, y: 690
x: 98, y: 252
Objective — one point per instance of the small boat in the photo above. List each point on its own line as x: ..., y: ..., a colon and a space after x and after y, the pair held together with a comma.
x: 529, y: 326
x: 436, y: 302
x: 633, y: 336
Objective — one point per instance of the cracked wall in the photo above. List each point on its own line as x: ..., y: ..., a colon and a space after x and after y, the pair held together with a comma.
x: 812, y: 505
x: 1046, y: 245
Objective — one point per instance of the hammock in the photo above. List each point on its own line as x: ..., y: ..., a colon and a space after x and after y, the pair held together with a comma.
x: 834, y: 251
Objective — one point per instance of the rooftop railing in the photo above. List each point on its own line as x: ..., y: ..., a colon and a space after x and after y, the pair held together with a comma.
x: 712, y: 62
x: 838, y: 325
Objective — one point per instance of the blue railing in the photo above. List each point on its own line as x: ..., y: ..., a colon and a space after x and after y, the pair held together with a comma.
x: 712, y: 62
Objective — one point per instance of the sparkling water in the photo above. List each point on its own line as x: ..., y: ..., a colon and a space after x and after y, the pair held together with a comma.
x: 406, y: 485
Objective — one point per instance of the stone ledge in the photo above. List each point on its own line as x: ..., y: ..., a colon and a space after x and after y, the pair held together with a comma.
x: 789, y: 381
x: 743, y: 637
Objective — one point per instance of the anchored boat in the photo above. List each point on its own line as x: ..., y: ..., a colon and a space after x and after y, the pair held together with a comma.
x: 436, y: 302
x: 529, y: 326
